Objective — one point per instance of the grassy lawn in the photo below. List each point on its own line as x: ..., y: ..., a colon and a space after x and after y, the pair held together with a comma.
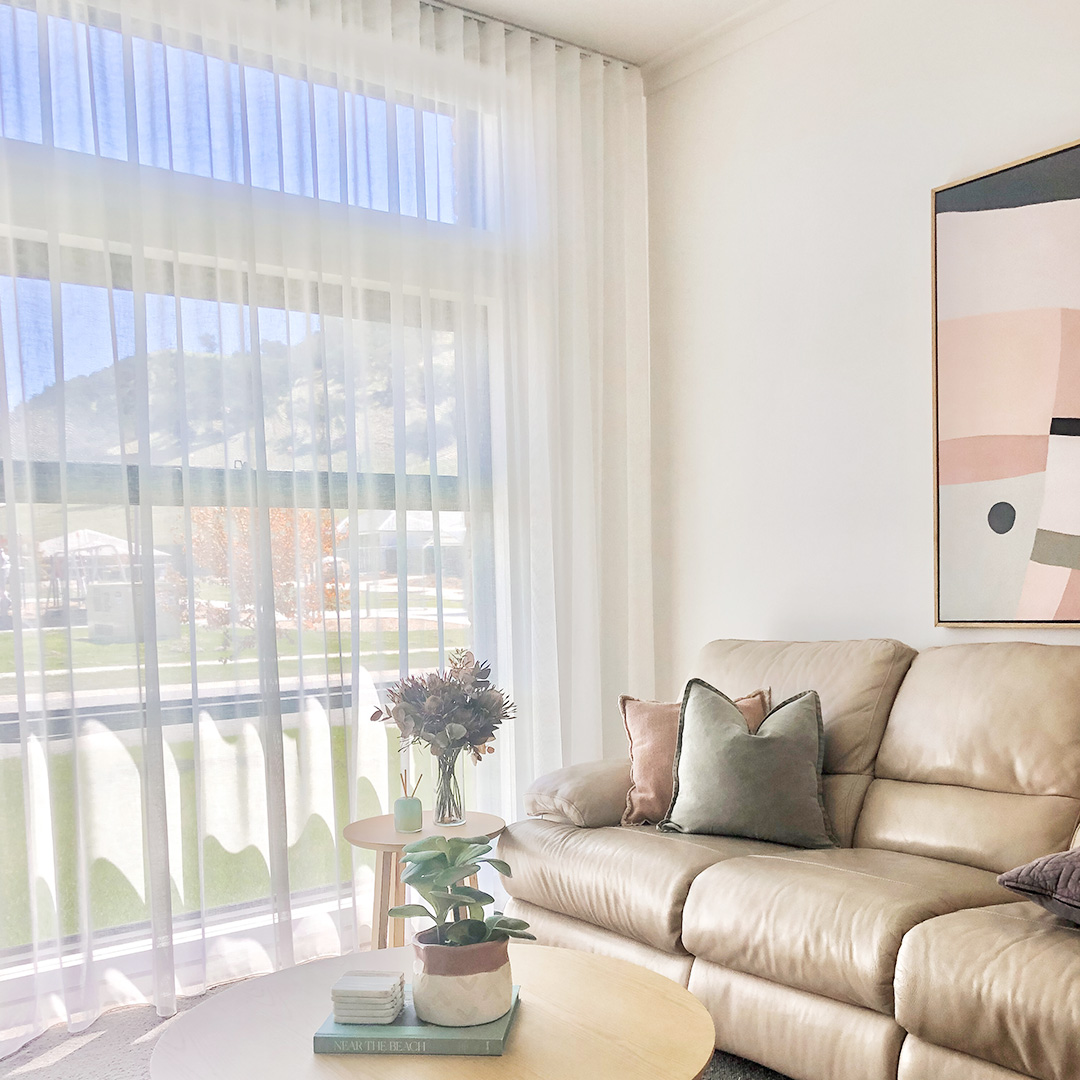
x: 221, y: 655
x: 212, y: 876
x: 113, y: 900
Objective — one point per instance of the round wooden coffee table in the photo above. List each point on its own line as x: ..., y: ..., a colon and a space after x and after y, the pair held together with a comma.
x: 581, y: 1017
x: 379, y: 835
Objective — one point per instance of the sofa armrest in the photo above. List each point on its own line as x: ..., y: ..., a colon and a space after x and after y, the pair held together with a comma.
x: 589, y: 796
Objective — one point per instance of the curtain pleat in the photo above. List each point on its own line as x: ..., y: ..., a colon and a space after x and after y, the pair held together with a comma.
x: 323, y: 354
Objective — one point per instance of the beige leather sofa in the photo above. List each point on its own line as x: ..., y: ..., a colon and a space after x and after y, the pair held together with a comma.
x: 896, y: 955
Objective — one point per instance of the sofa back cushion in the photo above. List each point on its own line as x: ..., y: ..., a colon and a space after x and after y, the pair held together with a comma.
x: 980, y: 761
x: 856, y: 682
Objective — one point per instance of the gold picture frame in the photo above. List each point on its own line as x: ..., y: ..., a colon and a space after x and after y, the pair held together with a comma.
x: 1006, y: 394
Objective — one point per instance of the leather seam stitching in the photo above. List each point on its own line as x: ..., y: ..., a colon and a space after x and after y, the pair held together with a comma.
x: 839, y: 869
x: 970, y: 787
x: 1017, y: 918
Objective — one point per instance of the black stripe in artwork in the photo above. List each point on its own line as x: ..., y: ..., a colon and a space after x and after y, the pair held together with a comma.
x: 1065, y: 425
x: 1051, y: 178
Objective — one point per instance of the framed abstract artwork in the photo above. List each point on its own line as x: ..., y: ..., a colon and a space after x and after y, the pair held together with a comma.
x: 1007, y: 394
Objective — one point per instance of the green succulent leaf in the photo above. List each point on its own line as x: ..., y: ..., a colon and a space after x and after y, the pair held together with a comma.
x: 416, y: 874
x: 443, y: 901
x: 453, y: 874
x: 502, y: 867
x: 523, y: 934
x: 504, y: 922
x: 432, y: 843
x: 466, y: 932
x: 466, y: 894
x: 422, y: 856
x: 462, y: 851
x: 410, y: 911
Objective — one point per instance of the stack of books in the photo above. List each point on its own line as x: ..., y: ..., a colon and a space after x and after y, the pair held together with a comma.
x: 368, y: 997
x: 408, y: 1034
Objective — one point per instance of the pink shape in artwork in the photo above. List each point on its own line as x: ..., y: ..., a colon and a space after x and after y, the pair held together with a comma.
x: 990, y: 457
x: 1067, y: 399
x: 998, y: 374
x: 1044, y: 587
x: 1069, y: 607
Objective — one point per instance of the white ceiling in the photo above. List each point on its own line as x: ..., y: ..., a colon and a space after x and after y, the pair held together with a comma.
x: 634, y: 30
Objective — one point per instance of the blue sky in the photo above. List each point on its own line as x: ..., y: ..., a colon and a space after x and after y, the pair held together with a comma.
x: 188, y: 118
x: 188, y: 111
x: 86, y: 329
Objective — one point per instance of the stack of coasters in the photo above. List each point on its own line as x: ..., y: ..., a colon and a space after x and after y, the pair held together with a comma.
x: 368, y: 997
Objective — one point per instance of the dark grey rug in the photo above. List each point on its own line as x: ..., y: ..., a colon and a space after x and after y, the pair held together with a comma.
x: 725, y: 1067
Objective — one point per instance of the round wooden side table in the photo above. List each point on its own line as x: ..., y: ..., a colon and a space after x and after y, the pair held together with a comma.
x: 582, y: 1017
x: 379, y: 835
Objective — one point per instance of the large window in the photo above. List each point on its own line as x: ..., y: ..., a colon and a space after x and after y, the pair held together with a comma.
x: 323, y: 352
x: 245, y: 466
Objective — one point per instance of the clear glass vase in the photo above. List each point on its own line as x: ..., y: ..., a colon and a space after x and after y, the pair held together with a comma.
x: 449, y: 802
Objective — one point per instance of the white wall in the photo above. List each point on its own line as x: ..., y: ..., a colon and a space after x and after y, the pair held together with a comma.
x: 790, y: 274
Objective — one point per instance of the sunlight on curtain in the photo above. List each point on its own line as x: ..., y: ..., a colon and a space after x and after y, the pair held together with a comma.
x: 323, y: 354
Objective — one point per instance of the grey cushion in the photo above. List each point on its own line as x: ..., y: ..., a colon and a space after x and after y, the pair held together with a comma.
x: 766, y: 786
x: 1052, y: 881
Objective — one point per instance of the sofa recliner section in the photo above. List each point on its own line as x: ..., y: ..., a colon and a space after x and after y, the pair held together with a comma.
x: 944, y: 769
x: 1000, y: 984
x: 584, y: 873
x: 828, y: 922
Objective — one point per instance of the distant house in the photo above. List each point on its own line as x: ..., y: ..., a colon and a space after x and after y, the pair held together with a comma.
x: 378, y: 536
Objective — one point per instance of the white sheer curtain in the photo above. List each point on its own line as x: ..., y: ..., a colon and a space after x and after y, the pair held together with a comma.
x: 324, y: 353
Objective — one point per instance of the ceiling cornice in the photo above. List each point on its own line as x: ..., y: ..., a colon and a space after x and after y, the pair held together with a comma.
x: 702, y: 50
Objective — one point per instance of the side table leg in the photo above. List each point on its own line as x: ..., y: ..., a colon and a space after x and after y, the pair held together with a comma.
x: 397, y: 929
x: 384, y: 877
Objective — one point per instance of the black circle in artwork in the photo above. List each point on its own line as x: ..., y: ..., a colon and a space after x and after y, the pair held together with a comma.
x: 1002, y: 517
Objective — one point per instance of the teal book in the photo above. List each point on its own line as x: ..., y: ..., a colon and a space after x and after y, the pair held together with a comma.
x: 408, y: 1034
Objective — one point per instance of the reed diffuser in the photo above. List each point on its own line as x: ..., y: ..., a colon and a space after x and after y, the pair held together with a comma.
x: 408, y: 810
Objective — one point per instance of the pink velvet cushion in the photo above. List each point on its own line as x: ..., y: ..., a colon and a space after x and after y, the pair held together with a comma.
x: 653, y: 730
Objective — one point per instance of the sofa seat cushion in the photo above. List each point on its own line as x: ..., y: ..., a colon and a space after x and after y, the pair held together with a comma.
x: 629, y: 879
x: 1000, y: 984
x: 828, y: 922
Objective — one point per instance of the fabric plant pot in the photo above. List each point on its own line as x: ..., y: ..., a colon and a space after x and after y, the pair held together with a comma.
x: 460, y: 985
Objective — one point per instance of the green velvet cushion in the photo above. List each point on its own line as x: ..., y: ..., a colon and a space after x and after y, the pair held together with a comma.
x: 766, y: 786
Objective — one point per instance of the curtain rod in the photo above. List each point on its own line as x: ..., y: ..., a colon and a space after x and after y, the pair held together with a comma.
x: 536, y: 34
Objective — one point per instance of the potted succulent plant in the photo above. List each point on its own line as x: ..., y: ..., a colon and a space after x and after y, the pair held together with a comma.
x: 461, y: 975
x: 454, y: 712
